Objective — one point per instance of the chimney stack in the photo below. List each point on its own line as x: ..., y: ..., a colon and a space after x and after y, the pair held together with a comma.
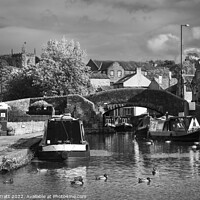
x: 138, y: 70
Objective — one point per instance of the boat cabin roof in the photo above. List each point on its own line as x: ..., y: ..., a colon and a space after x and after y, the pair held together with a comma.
x: 64, y: 117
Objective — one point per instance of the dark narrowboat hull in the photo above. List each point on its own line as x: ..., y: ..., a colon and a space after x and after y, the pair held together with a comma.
x: 123, y: 128
x: 141, y: 133
x: 188, y: 137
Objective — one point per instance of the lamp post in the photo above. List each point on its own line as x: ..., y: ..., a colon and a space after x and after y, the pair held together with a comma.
x: 182, y: 86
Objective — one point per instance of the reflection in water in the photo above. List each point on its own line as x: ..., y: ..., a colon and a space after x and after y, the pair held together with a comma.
x: 124, y: 160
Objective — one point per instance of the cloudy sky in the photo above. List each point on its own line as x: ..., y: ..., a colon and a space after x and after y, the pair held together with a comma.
x: 125, y: 30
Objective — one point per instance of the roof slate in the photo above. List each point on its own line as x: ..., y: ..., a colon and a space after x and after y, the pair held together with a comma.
x: 126, y: 65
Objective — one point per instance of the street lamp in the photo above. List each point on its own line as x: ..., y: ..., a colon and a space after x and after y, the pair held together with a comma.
x: 182, y: 86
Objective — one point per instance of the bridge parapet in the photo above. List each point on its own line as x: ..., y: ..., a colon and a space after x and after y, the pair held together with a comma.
x: 158, y: 100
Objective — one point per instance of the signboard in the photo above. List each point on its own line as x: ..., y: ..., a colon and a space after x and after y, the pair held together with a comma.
x: 160, y: 125
x: 156, y: 125
x: 153, y: 125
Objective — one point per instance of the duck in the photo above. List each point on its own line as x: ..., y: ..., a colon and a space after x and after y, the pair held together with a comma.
x: 77, y: 182
x: 102, y: 177
x: 154, y: 171
x: 42, y: 170
x: 144, y: 180
x: 9, y: 181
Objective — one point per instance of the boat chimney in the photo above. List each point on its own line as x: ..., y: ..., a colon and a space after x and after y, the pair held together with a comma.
x: 167, y: 115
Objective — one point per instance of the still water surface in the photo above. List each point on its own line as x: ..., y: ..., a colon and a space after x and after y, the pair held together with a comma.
x: 124, y: 160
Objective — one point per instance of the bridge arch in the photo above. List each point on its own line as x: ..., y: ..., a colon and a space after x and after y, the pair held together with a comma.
x: 158, y: 100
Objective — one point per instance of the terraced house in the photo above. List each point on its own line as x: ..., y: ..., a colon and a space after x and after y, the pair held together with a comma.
x: 115, y: 70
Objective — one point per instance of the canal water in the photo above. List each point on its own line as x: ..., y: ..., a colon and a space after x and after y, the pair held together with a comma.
x: 124, y: 160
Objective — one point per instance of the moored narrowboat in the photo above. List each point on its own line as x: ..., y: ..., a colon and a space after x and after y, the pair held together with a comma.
x: 63, y: 139
x: 168, y: 128
x: 123, y: 127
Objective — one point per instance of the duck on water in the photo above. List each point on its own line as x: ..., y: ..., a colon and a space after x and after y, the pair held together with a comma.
x: 102, y: 177
x: 63, y: 139
x: 144, y: 180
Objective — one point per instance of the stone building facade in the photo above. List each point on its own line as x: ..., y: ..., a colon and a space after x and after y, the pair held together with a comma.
x: 21, y: 59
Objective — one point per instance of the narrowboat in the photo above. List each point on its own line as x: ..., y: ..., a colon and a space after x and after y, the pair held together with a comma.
x: 110, y: 125
x: 123, y: 127
x: 109, y: 128
x: 142, y: 127
x: 63, y: 139
x: 168, y: 128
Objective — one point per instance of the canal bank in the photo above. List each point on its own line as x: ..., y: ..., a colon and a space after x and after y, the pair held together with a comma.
x: 17, y: 151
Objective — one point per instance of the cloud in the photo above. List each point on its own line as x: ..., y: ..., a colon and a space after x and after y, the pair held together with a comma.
x: 162, y: 42
x: 49, y: 19
x: 131, y: 6
x: 196, y: 32
x: 14, y: 37
x: 129, y: 29
x: 192, y: 50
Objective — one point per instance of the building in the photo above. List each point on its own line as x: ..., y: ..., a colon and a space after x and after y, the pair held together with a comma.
x: 127, y: 113
x: 21, y: 59
x: 16, y: 60
x: 116, y: 70
x: 135, y: 79
x: 99, y: 81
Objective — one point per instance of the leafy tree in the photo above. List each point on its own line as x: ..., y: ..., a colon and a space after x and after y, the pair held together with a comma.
x: 21, y: 85
x: 193, y: 58
x: 62, y: 68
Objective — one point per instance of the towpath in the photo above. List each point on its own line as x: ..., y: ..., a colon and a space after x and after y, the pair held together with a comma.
x: 17, y: 147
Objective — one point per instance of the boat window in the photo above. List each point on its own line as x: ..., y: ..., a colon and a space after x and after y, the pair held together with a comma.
x: 176, y: 125
x: 160, y: 125
x: 140, y: 124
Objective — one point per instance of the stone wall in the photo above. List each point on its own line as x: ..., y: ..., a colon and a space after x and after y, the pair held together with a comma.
x: 20, y: 128
x: 77, y: 105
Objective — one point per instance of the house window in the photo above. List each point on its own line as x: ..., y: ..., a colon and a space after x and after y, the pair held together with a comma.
x: 108, y: 121
x: 111, y: 72
x: 119, y: 73
x: 188, y: 88
x: 124, y: 120
x: 127, y: 111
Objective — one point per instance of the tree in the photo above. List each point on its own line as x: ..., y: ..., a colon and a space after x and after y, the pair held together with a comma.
x: 193, y: 58
x: 21, y: 85
x: 62, y: 68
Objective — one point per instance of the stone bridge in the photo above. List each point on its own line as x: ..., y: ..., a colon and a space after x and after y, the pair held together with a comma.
x: 158, y: 100
x: 91, y: 107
